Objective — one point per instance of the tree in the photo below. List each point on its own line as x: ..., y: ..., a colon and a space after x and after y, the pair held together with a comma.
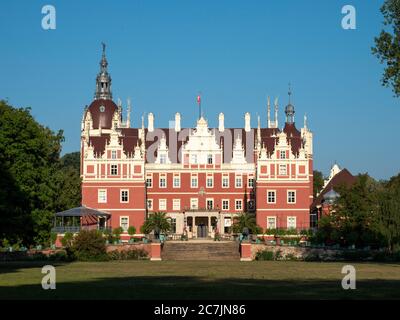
x: 389, y: 212
x: 387, y: 45
x: 245, y: 220
x: 318, y: 182
x: 157, y: 222
x: 29, y: 156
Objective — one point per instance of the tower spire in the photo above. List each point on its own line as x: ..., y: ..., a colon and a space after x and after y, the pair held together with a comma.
x: 268, y: 113
x: 103, y: 79
x: 289, y: 109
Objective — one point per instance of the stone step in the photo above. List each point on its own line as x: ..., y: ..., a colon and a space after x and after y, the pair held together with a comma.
x: 201, y: 251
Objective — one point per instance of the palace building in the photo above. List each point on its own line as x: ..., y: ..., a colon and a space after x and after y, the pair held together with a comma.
x: 201, y: 177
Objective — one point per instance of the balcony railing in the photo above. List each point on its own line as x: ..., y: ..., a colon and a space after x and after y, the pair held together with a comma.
x: 75, y: 229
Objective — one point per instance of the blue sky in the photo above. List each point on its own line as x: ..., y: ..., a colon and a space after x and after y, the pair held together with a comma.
x: 161, y: 53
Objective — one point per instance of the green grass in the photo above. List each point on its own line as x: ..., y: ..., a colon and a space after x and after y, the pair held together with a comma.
x: 199, y: 280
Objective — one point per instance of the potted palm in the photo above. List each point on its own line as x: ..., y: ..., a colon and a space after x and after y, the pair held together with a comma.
x: 131, y: 232
x: 158, y: 223
x: 117, y: 235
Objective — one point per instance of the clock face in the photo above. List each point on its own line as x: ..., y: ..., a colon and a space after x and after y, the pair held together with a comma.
x: 102, y: 108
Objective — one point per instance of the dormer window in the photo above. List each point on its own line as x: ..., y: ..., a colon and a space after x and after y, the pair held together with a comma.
x: 283, y: 154
x: 163, y: 158
x: 102, y: 108
x: 209, y: 159
x: 113, y: 154
x: 194, y: 158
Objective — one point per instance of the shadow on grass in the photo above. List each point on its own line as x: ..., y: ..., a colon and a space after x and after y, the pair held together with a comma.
x: 182, y: 288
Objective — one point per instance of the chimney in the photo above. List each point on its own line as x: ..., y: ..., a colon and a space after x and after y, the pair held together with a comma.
x: 247, y: 126
x: 177, y: 122
x: 150, y: 122
x: 221, y: 127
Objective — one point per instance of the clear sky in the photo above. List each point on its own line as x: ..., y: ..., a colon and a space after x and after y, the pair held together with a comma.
x: 161, y: 53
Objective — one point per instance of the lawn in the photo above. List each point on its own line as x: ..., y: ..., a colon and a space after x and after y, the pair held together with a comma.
x: 199, y: 280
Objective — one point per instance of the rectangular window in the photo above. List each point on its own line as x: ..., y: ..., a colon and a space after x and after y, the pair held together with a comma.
x: 209, y: 159
x: 163, y: 182
x: 102, y: 196
x: 124, y: 195
x: 173, y: 225
x: 193, y: 183
x: 124, y: 223
x: 163, y: 158
x: 282, y: 169
x: 194, y: 203
x: 162, y: 204
x: 271, y: 222
x: 149, y: 182
x: 238, y: 182
x: 193, y: 158
x: 177, y: 182
x: 225, y: 204
x: 176, y: 204
x: 225, y: 182
x: 291, y: 222
x: 149, y: 204
x: 238, y: 204
x: 210, y: 182
x: 251, y: 183
x: 283, y: 154
x: 291, y: 197
x: 113, y: 154
x: 271, y: 197
x: 210, y: 204
x: 114, y: 169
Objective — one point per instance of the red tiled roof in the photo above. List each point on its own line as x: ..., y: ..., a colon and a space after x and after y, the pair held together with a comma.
x: 343, y: 177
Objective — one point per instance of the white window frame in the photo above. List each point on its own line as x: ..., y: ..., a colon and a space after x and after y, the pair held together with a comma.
x: 236, y: 204
x: 250, y: 185
x: 113, y: 166
x: 113, y: 154
x: 282, y: 152
x: 238, y: 178
x: 127, y: 222
x: 164, y: 207
x: 212, y: 200
x: 212, y: 181
x: 225, y: 200
x: 179, y: 181
x: 194, y: 200
x: 151, y: 182
x: 285, y: 171
x: 222, y: 181
x: 193, y: 159
x: 268, y: 191
x: 163, y: 158
x: 210, y: 156
x: 176, y: 204
x: 295, y: 222
x: 127, y: 195
x: 194, y: 178
x: 101, y: 200
x: 271, y: 217
x: 291, y: 202
x: 160, y: 179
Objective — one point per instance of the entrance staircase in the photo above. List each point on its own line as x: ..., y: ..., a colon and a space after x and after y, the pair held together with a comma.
x: 201, y: 250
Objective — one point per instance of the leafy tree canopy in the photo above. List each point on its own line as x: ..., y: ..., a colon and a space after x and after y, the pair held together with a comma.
x: 387, y: 45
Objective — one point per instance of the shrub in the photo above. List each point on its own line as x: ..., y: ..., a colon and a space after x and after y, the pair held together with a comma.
x: 131, y: 231
x: 89, y: 245
x: 134, y: 254
x: 265, y: 255
x: 66, y: 241
x: 291, y: 257
x: 117, y: 233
